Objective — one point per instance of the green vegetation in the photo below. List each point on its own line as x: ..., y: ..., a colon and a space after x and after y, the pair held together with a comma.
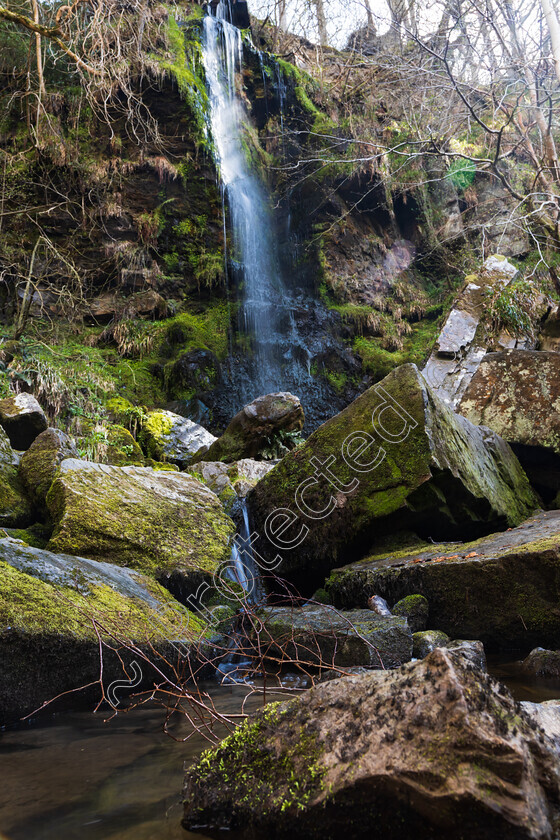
x: 261, y: 781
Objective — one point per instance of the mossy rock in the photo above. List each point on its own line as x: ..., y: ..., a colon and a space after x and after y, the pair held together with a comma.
x: 40, y: 463
x: 424, y: 642
x: 163, y: 523
x: 415, y: 609
x: 51, y: 609
x: 253, y: 429
x: 166, y: 436
x: 413, y: 751
x: 503, y: 590
x: 15, y: 507
x: 396, y: 457
x: 107, y: 443
x: 319, y: 636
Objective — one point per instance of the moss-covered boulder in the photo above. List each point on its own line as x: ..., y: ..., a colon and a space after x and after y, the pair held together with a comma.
x: 415, y: 609
x: 23, y: 419
x: 503, y: 589
x: 436, y: 748
x: 425, y: 641
x: 542, y: 663
x: 15, y: 507
x: 396, y: 457
x: 255, y: 428
x: 166, y: 524
x: 51, y: 609
x: 316, y: 636
x: 166, y: 436
x: 40, y: 463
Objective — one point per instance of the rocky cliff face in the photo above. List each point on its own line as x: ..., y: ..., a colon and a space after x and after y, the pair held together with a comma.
x: 137, y: 231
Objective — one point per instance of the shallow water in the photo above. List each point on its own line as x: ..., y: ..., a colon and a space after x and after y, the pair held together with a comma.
x: 77, y: 776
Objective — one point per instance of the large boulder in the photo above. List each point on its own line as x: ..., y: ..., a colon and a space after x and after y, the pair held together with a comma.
x: 163, y: 523
x: 436, y: 748
x: 255, y: 426
x: 53, y: 606
x: 23, y: 419
x: 40, y: 463
x: 542, y: 663
x: 517, y: 394
x: 503, y: 590
x: 166, y: 436
x: 396, y: 457
x: 15, y: 508
x: 320, y: 636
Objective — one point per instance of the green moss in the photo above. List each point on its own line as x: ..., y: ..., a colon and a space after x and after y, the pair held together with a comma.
x: 112, y: 516
x: 36, y: 606
x: 185, y: 65
x: 190, y: 331
x: 260, y: 779
x: 36, y: 536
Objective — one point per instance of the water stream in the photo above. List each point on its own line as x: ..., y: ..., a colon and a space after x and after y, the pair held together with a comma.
x: 74, y: 776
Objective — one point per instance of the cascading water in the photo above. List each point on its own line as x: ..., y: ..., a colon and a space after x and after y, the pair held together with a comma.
x: 278, y: 359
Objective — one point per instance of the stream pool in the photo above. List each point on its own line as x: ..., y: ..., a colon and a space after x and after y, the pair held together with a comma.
x: 79, y: 776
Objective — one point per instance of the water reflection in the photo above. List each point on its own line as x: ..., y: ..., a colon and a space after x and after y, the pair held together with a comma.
x: 76, y: 776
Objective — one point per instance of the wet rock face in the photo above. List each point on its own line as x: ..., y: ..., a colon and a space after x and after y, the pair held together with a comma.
x: 436, y: 748
x: 252, y: 428
x: 502, y: 589
x: 319, y: 636
x: 197, y: 370
x: 41, y: 461
x: 396, y: 457
x: 47, y: 640
x: 15, y: 508
x: 22, y: 419
x: 166, y: 524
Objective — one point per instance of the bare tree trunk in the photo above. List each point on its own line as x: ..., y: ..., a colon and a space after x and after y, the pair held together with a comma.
x: 321, y: 22
x: 23, y: 310
x: 38, y: 51
x: 554, y: 30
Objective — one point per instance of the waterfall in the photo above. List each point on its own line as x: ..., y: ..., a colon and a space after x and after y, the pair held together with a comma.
x: 278, y: 359
x: 243, y: 569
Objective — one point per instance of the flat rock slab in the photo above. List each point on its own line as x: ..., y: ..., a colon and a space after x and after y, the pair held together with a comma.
x: 52, y: 608
x: 434, y: 749
x: 166, y: 524
x: 503, y: 589
x: 22, y: 419
x: 321, y: 636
